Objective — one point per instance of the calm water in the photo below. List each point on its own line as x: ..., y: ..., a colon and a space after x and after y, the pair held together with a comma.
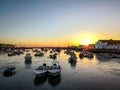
x: 86, y: 74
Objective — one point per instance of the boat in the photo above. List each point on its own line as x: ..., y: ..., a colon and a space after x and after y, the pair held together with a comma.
x: 41, y: 70
x: 55, y: 69
x: 28, y: 57
x: 9, y: 71
x: 81, y: 55
x: 11, y: 53
x: 39, y: 54
x: 86, y: 54
x: 53, y: 56
x: 72, y: 58
x: 89, y: 55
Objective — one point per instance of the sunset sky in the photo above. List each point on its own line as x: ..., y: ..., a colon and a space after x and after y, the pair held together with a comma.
x: 58, y: 22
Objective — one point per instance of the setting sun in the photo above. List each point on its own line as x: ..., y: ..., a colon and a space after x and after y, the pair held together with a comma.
x: 86, y: 42
x: 86, y: 38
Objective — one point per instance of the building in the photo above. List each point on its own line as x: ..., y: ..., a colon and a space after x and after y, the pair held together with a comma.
x: 6, y: 47
x: 108, y: 44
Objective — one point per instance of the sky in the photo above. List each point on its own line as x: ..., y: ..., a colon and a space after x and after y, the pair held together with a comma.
x: 58, y: 22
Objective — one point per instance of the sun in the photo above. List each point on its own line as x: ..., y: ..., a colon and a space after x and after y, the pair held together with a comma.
x: 86, y: 42
x: 86, y: 38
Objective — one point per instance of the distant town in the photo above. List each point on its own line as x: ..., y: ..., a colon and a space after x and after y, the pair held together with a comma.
x: 100, y: 46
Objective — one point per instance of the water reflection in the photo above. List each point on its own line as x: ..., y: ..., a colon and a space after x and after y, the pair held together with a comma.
x: 9, y: 74
x: 73, y: 64
x: 54, y: 81
x: 28, y: 65
x: 89, y: 73
x: 40, y: 80
x: 9, y: 71
x: 28, y: 62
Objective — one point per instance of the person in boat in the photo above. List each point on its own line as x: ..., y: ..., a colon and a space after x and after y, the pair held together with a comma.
x: 44, y: 66
x: 54, y: 66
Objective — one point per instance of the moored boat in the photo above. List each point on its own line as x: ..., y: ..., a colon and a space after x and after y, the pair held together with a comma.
x: 41, y: 71
x: 73, y: 57
x: 53, y: 56
x: 28, y: 57
x: 55, y: 69
x: 38, y: 54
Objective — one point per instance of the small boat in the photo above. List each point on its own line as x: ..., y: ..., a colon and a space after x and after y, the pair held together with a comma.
x: 28, y: 57
x: 53, y: 56
x: 90, y: 55
x: 55, y: 69
x: 72, y: 58
x: 41, y: 71
x: 81, y: 55
x: 9, y: 71
x: 39, y: 54
x: 86, y: 54
x: 11, y: 53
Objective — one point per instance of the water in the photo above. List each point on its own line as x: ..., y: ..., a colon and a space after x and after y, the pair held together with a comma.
x: 86, y: 74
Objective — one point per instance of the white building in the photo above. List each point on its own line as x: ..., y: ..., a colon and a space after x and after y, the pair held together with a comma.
x: 108, y: 44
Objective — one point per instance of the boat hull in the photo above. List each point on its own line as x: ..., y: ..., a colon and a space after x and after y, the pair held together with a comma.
x: 54, y: 73
x: 40, y: 73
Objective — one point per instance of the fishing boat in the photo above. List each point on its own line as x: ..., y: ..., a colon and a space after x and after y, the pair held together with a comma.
x: 86, y: 54
x: 53, y: 56
x: 41, y: 70
x: 11, y: 53
x: 55, y: 69
x: 28, y: 57
x: 73, y: 58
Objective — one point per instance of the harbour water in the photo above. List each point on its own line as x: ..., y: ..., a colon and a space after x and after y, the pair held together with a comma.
x: 85, y: 74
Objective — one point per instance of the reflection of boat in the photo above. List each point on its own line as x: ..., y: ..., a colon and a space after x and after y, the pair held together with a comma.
x: 39, y: 80
x: 53, y: 81
x: 73, y: 64
x: 41, y: 71
x: 9, y: 71
x: 28, y: 57
x: 55, y: 69
x: 115, y: 56
x: 102, y: 56
x: 28, y: 61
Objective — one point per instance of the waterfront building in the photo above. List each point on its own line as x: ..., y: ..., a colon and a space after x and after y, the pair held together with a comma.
x: 6, y: 47
x: 108, y: 44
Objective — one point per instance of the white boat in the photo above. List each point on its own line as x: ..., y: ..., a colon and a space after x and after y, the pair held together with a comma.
x: 11, y: 53
x: 41, y: 71
x: 28, y: 57
x: 55, y: 69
